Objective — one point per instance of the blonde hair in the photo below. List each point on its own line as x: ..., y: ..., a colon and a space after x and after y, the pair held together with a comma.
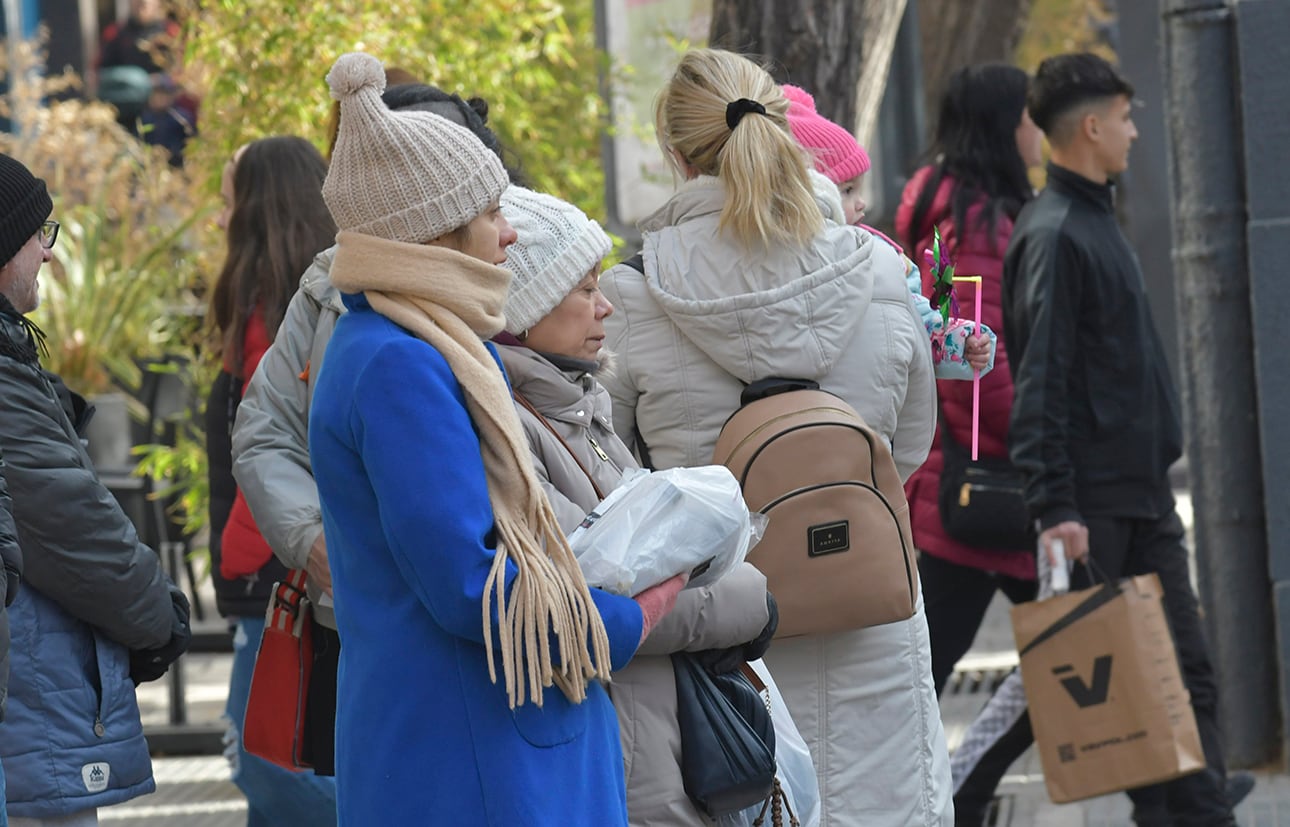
x: 769, y: 198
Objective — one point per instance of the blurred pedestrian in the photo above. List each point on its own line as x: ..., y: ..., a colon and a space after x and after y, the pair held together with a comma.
x: 462, y: 610
x: 984, y: 144
x: 744, y: 280
x: 557, y: 311
x: 276, y: 222
x: 96, y: 615
x: 270, y: 440
x: 135, y: 71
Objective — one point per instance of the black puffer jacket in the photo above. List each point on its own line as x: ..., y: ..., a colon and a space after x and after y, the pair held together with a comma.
x: 11, y: 558
x: 80, y: 549
x: 1095, y: 420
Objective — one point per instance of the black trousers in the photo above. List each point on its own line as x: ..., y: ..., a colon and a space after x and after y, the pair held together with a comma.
x: 955, y: 599
x: 319, y: 745
x: 1124, y: 547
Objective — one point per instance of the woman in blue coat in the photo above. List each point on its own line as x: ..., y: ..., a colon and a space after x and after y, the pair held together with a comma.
x: 470, y: 684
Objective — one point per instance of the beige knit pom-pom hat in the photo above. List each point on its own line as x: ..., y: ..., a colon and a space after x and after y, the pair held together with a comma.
x: 403, y: 176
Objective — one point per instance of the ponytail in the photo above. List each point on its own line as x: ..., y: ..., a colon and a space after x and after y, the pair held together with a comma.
x: 727, y: 118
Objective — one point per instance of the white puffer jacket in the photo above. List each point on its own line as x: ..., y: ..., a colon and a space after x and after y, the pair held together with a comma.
x: 708, y: 316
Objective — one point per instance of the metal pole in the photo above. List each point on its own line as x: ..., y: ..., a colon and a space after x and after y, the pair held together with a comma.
x: 1263, y: 46
x: 1206, y: 167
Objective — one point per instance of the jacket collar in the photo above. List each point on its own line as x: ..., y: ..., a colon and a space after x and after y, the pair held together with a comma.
x: 699, y: 196
x: 558, y: 394
x: 1074, y: 185
x: 20, y: 338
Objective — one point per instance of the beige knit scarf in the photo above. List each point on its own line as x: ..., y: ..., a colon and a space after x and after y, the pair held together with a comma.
x: 453, y: 301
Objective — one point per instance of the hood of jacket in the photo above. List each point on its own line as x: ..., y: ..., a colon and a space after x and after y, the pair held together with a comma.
x: 317, y: 281
x: 807, y: 300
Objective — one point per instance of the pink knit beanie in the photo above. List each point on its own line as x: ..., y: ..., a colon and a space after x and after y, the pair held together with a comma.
x: 838, y: 155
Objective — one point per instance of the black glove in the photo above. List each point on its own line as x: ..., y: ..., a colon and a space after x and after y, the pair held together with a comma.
x: 150, y: 664
x: 718, y: 661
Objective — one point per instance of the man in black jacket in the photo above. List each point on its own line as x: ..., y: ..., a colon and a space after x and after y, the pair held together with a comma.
x: 1095, y: 421
x: 96, y: 613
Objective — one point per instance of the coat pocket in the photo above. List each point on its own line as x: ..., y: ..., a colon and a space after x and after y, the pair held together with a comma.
x: 555, y: 722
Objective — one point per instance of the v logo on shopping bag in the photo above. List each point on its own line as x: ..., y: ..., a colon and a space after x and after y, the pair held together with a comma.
x: 1087, y: 694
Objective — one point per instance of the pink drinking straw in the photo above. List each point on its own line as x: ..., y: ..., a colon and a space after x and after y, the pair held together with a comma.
x: 976, y: 374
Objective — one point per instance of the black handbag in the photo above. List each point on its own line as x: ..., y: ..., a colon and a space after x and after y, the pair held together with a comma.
x: 982, y: 502
x: 727, y: 739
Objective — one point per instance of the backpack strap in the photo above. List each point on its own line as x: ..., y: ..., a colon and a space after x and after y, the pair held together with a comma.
x: 528, y: 406
x: 773, y: 385
x: 636, y: 262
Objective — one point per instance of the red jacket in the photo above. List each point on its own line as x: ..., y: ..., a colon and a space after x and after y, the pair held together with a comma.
x: 243, y: 549
x: 975, y: 253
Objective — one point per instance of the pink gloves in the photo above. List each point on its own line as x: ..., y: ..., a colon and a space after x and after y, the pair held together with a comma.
x: 658, y: 600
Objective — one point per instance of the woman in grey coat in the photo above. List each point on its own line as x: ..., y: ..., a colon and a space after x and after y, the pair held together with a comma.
x: 556, y: 313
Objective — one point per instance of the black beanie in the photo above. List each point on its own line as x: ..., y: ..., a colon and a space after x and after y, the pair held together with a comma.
x: 24, y: 206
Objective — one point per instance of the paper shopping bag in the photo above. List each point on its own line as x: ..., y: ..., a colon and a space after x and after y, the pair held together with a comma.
x: 1107, y: 702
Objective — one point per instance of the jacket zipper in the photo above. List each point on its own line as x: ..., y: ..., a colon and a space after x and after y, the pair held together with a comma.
x: 595, y: 446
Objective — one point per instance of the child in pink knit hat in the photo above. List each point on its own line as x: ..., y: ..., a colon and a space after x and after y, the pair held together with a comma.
x: 839, y: 157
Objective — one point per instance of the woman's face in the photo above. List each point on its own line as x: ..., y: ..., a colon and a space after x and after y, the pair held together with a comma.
x: 486, y: 237
x: 1030, y: 141
x: 576, y: 327
x: 852, y: 203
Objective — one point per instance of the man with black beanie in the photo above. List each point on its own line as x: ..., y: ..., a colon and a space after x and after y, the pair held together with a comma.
x: 96, y: 613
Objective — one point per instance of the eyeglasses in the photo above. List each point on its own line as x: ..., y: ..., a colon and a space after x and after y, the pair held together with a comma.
x: 48, y: 234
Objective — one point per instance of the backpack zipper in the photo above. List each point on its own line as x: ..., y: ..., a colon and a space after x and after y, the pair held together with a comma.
x: 904, y: 550
x: 776, y: 419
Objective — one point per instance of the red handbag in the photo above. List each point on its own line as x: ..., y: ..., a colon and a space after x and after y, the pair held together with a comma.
x: 275, y: 711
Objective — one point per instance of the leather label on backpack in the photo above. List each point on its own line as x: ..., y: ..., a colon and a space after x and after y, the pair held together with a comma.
x: 829, y: 538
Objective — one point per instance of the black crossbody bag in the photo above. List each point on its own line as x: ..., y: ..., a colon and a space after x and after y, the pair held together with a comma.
x: 982, y: 501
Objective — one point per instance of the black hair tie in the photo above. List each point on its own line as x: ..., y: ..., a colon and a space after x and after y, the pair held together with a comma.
x: 735, y: 111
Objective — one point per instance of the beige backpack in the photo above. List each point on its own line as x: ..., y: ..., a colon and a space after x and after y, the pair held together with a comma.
x: 838, y: 553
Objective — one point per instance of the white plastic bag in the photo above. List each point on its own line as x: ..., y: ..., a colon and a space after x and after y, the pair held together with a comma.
x: 794, y: 769
x: 656, y: 525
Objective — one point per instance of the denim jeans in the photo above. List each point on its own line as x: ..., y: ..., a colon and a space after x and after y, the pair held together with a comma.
x: 4, y: 820
x: 274, y: 795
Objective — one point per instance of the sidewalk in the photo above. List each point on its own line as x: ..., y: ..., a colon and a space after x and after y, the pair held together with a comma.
x: 196, y: 792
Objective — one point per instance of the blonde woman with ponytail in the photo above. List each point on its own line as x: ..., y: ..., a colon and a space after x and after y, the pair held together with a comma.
x: 744, y: 279
x: 470, y: 682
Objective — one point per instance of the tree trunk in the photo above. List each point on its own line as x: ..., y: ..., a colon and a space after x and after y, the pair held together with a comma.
x: 957, y: 33
x: 838, y: 50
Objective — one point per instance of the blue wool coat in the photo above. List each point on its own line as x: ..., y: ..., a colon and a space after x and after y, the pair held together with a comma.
x: 423, y: 736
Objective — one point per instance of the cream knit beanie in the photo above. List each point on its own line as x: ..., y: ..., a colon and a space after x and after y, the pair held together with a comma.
x: 402, y: 176
x: 557, y: 245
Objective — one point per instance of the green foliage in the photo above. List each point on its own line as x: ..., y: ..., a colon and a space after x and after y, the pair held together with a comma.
x: 1056, y: 26
x: 260, y: 68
